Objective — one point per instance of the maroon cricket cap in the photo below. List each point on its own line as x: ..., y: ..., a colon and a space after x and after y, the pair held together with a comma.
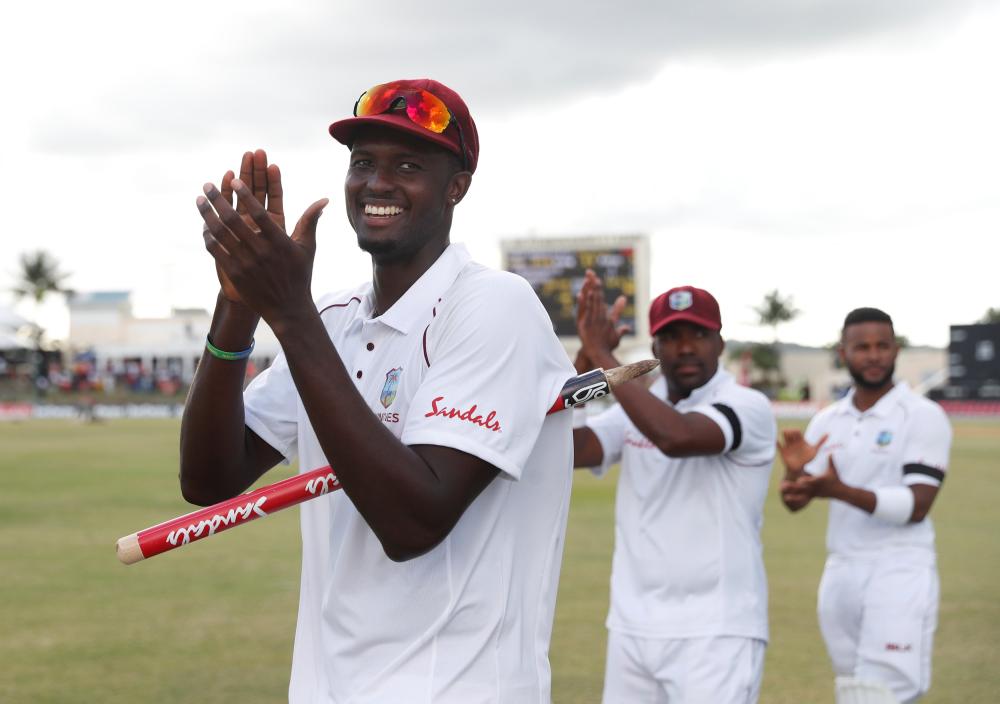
x: 695, y: 305
x: 451, y: 139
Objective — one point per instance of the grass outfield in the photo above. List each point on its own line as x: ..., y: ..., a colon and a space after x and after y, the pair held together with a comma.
x: 215, y: 619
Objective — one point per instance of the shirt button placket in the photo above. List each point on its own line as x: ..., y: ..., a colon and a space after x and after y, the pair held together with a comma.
x: 369, y: 346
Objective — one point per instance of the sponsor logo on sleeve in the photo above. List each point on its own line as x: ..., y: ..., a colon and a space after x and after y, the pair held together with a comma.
x: 469, y: 415
x: 638, y: 440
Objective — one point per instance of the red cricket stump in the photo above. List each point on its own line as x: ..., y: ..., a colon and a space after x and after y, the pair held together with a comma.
x: 310, y: 485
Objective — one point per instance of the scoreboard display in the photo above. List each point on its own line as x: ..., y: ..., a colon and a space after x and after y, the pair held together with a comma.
x: 974, y: 361
x: 555, y: 269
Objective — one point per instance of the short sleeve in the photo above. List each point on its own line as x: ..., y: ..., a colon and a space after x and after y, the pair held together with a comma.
x: 609, y: 427
x: 496, y: 367
x: 747, y: 424
x: 270, y: 406
x: 928, y: 445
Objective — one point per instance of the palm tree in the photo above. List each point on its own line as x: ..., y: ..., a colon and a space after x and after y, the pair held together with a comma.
x: 772, y: 312
x: 39, y: 276
x: 992, y: 315
x: 776, y: 310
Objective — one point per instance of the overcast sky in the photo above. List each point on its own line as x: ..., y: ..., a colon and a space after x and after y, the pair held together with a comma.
x: 844, y: 152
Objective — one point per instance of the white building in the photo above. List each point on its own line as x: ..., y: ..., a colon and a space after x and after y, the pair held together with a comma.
x: 102, y: 323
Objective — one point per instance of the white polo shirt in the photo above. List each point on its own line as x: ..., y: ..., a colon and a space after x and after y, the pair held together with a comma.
x: 903, y: 439
x: 688, y: 560
x: 467, y: 359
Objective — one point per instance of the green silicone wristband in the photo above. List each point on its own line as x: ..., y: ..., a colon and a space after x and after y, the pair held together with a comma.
x: 228, y: 356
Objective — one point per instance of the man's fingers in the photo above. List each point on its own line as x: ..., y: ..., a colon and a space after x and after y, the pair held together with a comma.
x: 305, y: 228
x: 589, y: 281
x: 215, y: 231
x: 804, y: 484
x: 227, y: 186
x: 259, y: 183
x: 275, y: 194
x: 823, y: 440
x: 255, y: 210
x: 791, y: 435
x: 246, y: 175
x: 617, y: 307
x: 229, y: 217
x: 597, y: 309
x: 211, y: 244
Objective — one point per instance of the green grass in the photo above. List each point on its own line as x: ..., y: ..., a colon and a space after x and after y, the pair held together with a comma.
x: 216, y: 619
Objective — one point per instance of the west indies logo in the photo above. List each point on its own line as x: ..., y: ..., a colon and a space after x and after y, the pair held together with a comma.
x: 680, y: 300
x: 391, y: 384
x: 470, y: 415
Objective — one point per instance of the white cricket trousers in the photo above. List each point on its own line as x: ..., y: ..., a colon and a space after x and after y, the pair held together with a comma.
x: 878, y: 619
x: 715, y: 670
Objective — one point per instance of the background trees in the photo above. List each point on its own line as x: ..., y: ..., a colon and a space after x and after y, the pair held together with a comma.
x: 38, y: 277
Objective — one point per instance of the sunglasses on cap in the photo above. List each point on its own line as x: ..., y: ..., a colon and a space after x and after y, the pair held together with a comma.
x: 422, y: 107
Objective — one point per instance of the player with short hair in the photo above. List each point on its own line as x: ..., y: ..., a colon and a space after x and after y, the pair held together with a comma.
x: 880, y: 454
x: 432, y: 576
x: 688, y: 616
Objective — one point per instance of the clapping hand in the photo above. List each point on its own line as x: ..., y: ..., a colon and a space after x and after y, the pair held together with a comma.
x: 597, y: 324
x: 258, y: 264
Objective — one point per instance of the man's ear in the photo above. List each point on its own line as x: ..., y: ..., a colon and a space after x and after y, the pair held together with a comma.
x: 655, y: 347
x: 458, y: 186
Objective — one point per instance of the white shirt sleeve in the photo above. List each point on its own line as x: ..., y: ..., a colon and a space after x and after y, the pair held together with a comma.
x: 609, y: 427
x: 496, y: 367
x: 747, y: 423
x: 928, y: 444
x: 270, y: 406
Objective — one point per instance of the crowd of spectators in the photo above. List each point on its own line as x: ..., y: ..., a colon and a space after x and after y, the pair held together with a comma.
x: 51, y: 376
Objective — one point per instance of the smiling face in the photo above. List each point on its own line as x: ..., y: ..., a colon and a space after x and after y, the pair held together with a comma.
x: 399, y: 193
x: 868, y: 350
x: 689, y: 356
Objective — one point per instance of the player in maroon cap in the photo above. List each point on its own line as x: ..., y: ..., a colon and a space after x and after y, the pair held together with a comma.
x: 432, y: 575
x: 688, y: 616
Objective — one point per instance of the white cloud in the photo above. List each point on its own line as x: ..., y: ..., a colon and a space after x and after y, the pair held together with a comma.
x: 842, y: 152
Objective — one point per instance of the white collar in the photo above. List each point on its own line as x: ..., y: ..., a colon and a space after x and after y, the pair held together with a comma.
x: 881, y: 407
x: 697, y: 396
x: 425, y: 291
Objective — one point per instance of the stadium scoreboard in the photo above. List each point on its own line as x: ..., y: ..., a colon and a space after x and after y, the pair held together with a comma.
x: 974, y: 362
x: 555, y: 269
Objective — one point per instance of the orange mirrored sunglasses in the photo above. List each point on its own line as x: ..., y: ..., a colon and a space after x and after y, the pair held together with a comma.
x: 423, y: 108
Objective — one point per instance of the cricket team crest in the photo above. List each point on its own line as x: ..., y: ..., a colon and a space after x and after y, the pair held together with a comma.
x: 884, y: 438
x: 680, y: 300
x: 390, y: 387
